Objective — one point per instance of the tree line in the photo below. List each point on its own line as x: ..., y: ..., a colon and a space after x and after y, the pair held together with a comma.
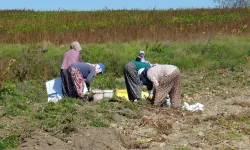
x: 232, y: 3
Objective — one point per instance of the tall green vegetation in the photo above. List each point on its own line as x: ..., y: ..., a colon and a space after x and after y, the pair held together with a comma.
x: 61, y: 27
x: 203, y: 55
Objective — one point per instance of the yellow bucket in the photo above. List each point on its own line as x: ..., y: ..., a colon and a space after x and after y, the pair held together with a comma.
x: 124, y: 94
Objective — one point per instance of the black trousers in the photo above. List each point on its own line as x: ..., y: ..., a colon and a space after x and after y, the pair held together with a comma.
x: 68, y: 87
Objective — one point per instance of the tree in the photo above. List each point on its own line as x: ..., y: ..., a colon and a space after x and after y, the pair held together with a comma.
x: 232, y: 3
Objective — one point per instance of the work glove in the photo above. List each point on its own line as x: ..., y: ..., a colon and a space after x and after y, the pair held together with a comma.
x: 150, y: 99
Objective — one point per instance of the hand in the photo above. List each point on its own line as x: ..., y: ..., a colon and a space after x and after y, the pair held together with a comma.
x: 144, y: 87
x: 89, y: 89
x: 156, y: 84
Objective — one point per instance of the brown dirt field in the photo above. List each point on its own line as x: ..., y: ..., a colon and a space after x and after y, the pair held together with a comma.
x: 223, y: 125
x: 158, y: 128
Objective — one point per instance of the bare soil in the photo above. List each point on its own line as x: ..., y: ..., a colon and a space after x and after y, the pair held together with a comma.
x: 220, y: 126
x: 159, y: 128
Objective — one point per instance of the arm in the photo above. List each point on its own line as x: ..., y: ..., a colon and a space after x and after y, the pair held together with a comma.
x: 150, y: 90
x: 80, y: 58
x: 153, y: 80
x: 155, y: 84
x: 89, y: 78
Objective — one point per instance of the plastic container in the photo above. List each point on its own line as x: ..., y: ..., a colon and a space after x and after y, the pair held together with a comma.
x: 124, y: 94
x: 108, y: 93
x: 97, y: 95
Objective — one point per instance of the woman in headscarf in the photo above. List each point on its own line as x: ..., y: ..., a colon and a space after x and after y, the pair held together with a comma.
x: 165, y: 80
x: 141, y: 57
x: 83, y: 73
x: 70, y: 57
x: 132, y: 79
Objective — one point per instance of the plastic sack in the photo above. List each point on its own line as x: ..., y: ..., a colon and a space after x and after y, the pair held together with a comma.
x: 54, y: 90
x: 167, y: 102
x: 194, y: 107
x: 55, y: 97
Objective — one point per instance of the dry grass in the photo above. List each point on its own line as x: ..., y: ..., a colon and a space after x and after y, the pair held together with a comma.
x: 241, y: 103
x: 5, y: 68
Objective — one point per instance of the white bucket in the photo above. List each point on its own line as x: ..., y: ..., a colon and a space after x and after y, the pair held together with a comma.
x: 97, y: 95
x: 108, y: 93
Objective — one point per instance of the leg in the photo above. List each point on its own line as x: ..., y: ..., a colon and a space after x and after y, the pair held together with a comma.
x: 162, y: 91
x: 132, y: 81
x: 175, y: 91
x: 65, y: 76
x: 168, y: 85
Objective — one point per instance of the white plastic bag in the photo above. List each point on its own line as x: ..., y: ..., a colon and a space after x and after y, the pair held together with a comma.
x: 194, y: 107
x: 55, y: 97
x: 85, y: 89
x: 54, y: 90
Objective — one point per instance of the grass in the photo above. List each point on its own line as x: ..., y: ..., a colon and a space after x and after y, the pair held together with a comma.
x: 23, y: 92
x: 98, y: 123
x: 11, y: 141
x: 197, y: 55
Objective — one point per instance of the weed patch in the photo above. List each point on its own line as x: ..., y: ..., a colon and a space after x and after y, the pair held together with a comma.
x: 11, y: 141
x: 55, y: 114
x: 98, y: 123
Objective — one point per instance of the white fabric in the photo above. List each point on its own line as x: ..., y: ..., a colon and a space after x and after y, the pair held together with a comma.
x: 143, y: 60
x: 76, y: 45
x: 54, y: 89
x: 85, y: 89
x: 98, y: 69
x: 140, y: 71
x: 142, y: 52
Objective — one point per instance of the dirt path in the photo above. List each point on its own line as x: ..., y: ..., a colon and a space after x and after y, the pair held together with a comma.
x: 91, y: 139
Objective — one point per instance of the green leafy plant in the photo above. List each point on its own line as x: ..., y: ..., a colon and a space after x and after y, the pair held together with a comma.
x: 98, y: 123
x: 11, y: 141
